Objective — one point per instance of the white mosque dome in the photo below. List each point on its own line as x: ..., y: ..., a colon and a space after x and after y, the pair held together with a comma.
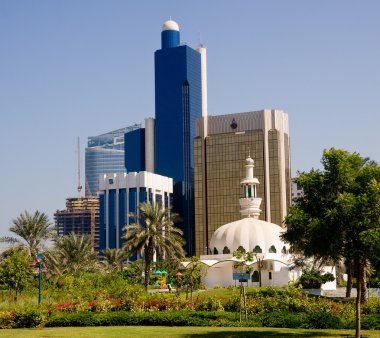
x: 250, y: 234
x: 170, y: 25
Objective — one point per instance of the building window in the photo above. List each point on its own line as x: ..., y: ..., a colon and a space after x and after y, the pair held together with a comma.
x: 270, y: 275
x: 255, y: 277
x: 226, y: 250
x: 257, y: 249
x: 272, y: 249
x: 284, y: 251
x: 216, y: 251
x: 241, y: 249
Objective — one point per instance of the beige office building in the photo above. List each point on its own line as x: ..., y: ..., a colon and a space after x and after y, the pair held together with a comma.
x: 222, y: 144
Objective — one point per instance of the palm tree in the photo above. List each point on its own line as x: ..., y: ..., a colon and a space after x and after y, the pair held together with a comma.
x: 154, y: 233
x: 32, y: 231
x: 71, y: 254
x: 114, y: 259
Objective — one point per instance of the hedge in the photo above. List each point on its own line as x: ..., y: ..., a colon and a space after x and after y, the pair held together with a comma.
x: 154, y: 318
x: 317, y: 320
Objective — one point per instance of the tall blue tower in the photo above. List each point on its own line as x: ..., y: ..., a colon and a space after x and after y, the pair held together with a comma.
x: 178, y: 103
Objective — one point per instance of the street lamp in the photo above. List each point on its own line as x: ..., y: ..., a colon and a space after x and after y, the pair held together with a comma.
x: 178, y: 276
x: 39, y: 262
x: 259, y: 259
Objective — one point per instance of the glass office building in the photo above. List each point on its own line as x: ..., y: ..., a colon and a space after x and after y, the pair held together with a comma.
x: 264, y: 135
x: 104, y: 154
x: 178, y: 104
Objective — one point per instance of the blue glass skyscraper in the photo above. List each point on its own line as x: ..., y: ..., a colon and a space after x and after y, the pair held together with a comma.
x: 178, y: 103
x: 105, y: 154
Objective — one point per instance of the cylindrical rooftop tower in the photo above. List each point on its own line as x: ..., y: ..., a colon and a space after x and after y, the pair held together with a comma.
x: 170, y: 35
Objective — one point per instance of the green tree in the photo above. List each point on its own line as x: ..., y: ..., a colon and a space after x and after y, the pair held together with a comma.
x: 192, y: 276
x: 153, y: 233
x: 15, y: 271
x: 244, y: 257
x: 32, y: 231
x: 71, y: 253
x: 338, y: 215
x: 114, y: 259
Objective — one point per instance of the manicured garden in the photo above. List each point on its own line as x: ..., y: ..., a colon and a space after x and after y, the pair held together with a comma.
x: 91, y: 299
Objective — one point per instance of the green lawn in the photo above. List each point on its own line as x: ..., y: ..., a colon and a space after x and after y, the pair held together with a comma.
x: 160, y: 331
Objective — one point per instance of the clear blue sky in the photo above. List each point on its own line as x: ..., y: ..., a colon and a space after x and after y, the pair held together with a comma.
x: 79, y: 68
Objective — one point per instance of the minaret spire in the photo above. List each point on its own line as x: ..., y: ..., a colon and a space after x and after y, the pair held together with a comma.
x: 249, y: 203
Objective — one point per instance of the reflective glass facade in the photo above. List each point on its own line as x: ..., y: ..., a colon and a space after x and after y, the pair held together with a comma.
x: 217, y: 176
x: 178, y: 105
x: 134, y: 147
x: 104, y: 154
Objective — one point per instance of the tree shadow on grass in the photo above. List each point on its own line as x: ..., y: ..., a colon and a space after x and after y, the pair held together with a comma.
x: 264, y: 334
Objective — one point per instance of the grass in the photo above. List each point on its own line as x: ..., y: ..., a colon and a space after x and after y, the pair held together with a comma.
x: 188, y: 332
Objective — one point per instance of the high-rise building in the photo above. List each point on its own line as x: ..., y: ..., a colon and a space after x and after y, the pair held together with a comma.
x: 221, y: 145
x: 120, y: 194
x: 139, y: 148
x: 178, y: 103
x: 81, y: 216
x: 104, y: 154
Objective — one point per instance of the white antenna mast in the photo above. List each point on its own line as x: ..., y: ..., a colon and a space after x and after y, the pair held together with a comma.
x: 79, y: 187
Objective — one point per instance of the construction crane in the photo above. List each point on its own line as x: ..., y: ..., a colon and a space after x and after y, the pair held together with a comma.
x: 79, y: 187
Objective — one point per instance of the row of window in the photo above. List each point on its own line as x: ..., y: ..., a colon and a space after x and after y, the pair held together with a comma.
x: 256, y: 249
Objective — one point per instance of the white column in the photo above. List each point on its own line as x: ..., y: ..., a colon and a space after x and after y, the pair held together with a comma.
x: 149, y: 144
x: 202, y: 50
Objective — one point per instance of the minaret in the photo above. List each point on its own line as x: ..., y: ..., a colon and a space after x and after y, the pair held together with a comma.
x: 249, y: 204
x: 170, y: 35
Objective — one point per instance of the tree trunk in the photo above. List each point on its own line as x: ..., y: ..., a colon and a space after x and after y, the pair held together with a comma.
x: 349, y: 278
x: 245, y: 304
x: 149, y: 251
x: 240, y: 312
x: 191, y: 292
x: 363, y: 296
x: 359, y: 277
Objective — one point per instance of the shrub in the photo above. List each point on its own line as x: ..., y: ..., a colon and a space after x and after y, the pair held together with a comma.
x: 283, y: 319
x: 29, y: 318
x: 323, y: 320
x: 71, y: 319
x: 232, y: 304
x: 372, y: 306
x: 371, y: 322
x: 162, y: 318
x: 313, y: 279
x: 210, y: 304
x: 7, y: 319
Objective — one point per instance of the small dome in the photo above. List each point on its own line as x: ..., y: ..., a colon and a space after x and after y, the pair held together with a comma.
x: 249, y: 160
x: 250, y: 234
x: 170, y: 25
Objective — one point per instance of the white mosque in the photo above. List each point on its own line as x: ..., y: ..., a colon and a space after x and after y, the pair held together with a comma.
x: 271, y: 255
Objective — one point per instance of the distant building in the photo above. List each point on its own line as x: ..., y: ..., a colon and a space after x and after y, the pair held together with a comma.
x: 120, y: 194
x: 104, y: 154
x: 81, y: 216
x: 296, y: 191
x: 178, y: 103
x: 221, y: 145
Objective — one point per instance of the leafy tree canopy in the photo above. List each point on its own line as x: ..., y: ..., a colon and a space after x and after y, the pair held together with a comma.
x: 338, y: 214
